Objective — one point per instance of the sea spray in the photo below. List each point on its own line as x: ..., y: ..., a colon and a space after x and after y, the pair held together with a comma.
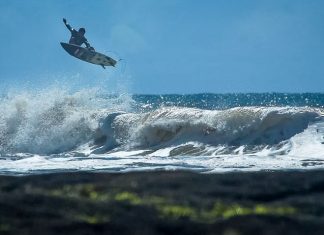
x: 53, y: 121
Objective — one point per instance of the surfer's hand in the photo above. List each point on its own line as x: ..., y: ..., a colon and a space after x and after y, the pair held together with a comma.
x: 64, y: 20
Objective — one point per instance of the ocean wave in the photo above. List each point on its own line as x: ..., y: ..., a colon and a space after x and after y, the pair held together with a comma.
x: 175, y: 126
x: 57, y: 121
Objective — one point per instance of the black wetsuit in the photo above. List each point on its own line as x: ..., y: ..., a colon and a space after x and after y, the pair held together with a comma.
x: 76, y: 37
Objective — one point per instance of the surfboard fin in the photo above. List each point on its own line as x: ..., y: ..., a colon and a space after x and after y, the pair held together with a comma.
x: 103, y: 66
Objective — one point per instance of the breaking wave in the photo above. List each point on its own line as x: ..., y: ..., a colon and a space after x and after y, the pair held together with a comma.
x: 52, y: 121
x: 251, y: 127
x: 56, y: 129
x: 55, y: 121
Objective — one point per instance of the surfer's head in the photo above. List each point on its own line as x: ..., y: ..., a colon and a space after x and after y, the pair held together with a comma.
x: 82, y: 31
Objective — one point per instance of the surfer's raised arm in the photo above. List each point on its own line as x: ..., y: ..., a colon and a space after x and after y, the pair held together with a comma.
x: 77, y: 37
x: 67, y: 25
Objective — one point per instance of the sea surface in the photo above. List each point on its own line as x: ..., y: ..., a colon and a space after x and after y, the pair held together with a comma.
x: 55, y: 130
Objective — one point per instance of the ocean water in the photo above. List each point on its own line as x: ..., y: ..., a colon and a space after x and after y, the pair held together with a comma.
x: 57, y: 130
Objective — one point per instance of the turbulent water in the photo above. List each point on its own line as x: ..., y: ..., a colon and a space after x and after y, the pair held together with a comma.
x: 57, y: 130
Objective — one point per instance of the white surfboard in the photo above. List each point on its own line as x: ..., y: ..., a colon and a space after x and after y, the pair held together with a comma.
x: 87, y: 55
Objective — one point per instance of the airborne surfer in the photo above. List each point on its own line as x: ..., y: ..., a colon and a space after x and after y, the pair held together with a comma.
x: 77, y: 37
x: 87, y: 53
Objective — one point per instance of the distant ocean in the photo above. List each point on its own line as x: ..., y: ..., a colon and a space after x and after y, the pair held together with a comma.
x: 55, y: 131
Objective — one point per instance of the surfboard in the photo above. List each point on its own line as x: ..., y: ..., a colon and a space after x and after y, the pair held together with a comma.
x: 87, y: 55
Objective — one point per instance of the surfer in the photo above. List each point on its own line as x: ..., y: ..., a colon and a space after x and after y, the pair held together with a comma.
x: 77, y: 37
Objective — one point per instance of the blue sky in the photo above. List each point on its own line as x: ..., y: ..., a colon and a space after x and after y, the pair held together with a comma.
x: 169, y: 46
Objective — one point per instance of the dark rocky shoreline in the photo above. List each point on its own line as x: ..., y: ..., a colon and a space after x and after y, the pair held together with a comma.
x: 164, y: 202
